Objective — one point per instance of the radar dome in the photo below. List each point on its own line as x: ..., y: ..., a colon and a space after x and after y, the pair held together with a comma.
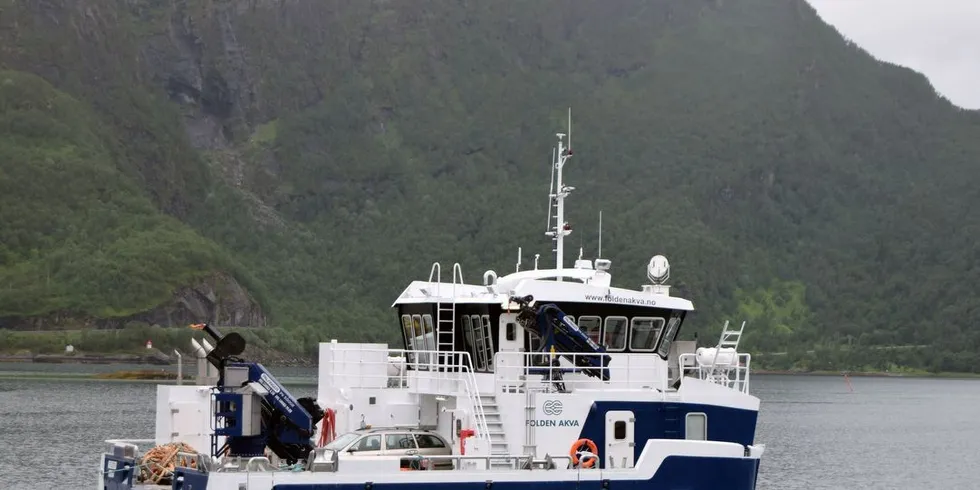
x: 658, y: 270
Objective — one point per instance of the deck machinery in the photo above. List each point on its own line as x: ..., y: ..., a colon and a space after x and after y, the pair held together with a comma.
x: 560, y: 335
x: 252, y: 410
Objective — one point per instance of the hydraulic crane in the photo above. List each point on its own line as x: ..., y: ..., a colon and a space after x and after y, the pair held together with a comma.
x: 253, y: 411
x: 559, y: 334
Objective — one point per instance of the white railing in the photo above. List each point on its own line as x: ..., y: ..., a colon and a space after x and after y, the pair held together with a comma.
x: 415, y: 369
x: 732, y: 374
x: 516, y: 372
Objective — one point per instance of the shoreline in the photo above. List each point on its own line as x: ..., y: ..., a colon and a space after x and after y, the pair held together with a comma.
x: 127, y: 377
x: 152, y: 359
x: 156, y: 359
x: 86, y: 359
x: 868, y: 374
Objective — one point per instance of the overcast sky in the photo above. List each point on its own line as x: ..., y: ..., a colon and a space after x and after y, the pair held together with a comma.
x: 939, y: 38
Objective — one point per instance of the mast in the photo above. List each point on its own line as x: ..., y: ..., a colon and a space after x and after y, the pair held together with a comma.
x: 561, y: 191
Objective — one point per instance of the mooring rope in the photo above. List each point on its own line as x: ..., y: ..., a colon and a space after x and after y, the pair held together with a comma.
x: 158, y: 463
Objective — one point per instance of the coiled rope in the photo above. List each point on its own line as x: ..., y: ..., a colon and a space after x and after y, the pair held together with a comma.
x: 157, y: 465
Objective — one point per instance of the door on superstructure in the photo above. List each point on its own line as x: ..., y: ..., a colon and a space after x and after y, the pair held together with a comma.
x: 510, y: 357
x: 620, y: 442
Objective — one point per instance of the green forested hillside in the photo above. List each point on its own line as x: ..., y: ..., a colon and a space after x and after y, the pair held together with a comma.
x: 324, y: 153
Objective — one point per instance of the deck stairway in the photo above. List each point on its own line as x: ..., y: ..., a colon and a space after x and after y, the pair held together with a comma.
x: 495, y: 429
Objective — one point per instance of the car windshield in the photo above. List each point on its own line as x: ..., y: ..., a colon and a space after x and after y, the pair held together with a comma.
x: 342, y: 441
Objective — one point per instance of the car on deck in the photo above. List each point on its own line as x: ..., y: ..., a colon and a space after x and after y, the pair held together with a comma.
x: 390, y: 441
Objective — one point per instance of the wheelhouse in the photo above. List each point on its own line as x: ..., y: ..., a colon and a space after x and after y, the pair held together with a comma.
x: 475, y: 319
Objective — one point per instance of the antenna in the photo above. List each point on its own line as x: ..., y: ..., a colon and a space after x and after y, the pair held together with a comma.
x: 569, y: 129
x: 557, y: 198
x: 518, y: 259
x: 600, y: 235
x: 551, y: 191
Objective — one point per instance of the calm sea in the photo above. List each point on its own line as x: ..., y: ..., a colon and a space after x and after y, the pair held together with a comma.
x: 888, y: 434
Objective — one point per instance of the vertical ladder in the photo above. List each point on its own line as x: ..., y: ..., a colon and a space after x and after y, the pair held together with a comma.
x: 445, y: 333
x: 729, y: 338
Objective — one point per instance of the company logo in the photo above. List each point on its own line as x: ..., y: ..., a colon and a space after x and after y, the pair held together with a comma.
x: 552, y: 407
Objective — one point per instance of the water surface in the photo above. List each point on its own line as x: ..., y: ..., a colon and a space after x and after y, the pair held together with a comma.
x: 889, y: 434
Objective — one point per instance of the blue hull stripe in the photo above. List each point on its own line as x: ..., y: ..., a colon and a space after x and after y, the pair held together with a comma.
x: 676, y: 473
x: 665, y: 420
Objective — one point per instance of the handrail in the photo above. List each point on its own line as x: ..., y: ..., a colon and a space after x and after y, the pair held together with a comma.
x: 473, y: 395
x: 735, y: 375
x: 423, y: 363
x: 517, y: 461
x: 626, y: 371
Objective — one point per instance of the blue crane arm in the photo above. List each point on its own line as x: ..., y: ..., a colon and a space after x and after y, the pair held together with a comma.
x: 284, y: 403
x: 558, y: 331
x: 284, y: 424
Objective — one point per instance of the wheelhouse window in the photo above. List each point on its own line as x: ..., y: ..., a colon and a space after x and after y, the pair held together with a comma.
x: 420, y: 342
x: 430, y: 338
x: 481, y: 343
x: 592, y: 327
x: 473, y: 342
x: 488, y: 342
x: 696, y: 427
x: 417, y: 331
x: 407, y: 330
x: 644, y: 333
x: 668, y: 336
x: 615, y: 338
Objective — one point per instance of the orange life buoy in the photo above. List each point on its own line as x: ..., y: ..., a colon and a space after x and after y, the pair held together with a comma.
x: 583, y: 445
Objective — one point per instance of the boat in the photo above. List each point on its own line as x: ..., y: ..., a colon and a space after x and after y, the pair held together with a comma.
x: 552, y: 378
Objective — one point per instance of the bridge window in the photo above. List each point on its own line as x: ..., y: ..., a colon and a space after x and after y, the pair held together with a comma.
x: 591, y: 326
x: 407, y: 327
x: 474, y: 341
x: 616, y: 333
x: 644, y: 333
x: 668, y: 337
x: 481, y: 343
x: 430, y: 339
x: 488, y: 342
x: 696, y: 427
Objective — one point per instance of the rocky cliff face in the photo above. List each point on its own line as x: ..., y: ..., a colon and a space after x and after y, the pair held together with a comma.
x: 217, y: 299
x: 120, y: 60
x: 192, y: 52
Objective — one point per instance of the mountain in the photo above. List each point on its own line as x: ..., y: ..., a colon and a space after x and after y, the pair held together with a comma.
x: 295, y: 163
